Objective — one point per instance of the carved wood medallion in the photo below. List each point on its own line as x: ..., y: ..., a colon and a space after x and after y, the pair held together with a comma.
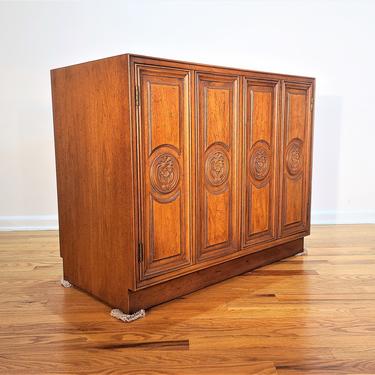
x: 217, y: 168
x: 294, y: 157
x: 165, y: 173
x: 260, y: 160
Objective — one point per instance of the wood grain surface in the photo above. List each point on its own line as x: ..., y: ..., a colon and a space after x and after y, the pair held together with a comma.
x: 92, y: 139
x: 310, y: 314
x: 167, y: 169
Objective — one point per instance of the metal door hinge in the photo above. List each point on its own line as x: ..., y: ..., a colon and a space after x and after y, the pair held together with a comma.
x: 140, y: 251
x: 311, y: 104
x: 137, y: 96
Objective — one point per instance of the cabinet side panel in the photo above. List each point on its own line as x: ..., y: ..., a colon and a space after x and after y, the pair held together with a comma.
x: 94, y: 176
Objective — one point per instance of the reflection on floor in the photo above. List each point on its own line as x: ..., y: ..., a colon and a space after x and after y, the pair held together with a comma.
x: 307, y: 314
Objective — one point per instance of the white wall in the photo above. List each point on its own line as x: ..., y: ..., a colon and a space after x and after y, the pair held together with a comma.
x: 331, y: 40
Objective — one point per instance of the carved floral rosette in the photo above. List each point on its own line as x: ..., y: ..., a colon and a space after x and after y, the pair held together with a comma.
x: 294, y: 157
x: 217, y: 168
x: 260, y: 163
x: 165, y: 173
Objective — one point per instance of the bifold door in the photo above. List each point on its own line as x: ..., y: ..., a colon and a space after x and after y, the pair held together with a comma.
x: 260, y: 156
x: 296, y: 155
x: 164, y: 134
x: 185, y: 164
x: 217, y: 139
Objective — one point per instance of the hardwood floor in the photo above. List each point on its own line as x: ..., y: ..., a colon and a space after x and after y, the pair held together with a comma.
x: 310, y: 314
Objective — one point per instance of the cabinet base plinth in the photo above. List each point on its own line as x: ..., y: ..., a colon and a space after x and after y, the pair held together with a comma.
x: 166, y: 291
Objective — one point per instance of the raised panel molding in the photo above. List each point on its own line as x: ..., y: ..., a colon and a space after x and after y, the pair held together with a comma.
x: 260, y: 153
x: 217, y: 155
x: 165, y: 143
x: 295, y: 173
x: 164, y: 122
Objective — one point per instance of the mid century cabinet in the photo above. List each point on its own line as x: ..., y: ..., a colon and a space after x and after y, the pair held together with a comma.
x: 172, y: 176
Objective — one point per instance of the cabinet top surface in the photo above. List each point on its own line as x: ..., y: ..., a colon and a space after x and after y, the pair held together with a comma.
x: 134, y: 58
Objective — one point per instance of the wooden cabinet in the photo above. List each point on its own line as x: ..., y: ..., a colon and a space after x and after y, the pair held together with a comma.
x: 173, y: 176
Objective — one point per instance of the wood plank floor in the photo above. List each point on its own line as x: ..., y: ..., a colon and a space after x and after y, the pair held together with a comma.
x: 310, y: 314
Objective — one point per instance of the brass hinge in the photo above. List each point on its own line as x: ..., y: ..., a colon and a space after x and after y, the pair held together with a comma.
x: 140, y: 251
x: 311, y: 104
x: 137, y: 96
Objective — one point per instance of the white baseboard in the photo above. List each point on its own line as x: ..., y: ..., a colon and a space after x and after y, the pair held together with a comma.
x: 38, y: 222
x: 343, y: 217
x: 50, y: 222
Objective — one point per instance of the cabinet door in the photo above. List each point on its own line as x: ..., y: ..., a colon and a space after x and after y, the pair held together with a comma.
x: 260, y: 203
x: 296, y: 162
x: 164, y: 169
x: 216, y: 104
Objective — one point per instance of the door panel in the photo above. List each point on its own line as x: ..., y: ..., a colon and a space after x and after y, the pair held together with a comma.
x: 216, y: 105
x: 259, y: 210
x: 165, y: 169
x: 296, y: 151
